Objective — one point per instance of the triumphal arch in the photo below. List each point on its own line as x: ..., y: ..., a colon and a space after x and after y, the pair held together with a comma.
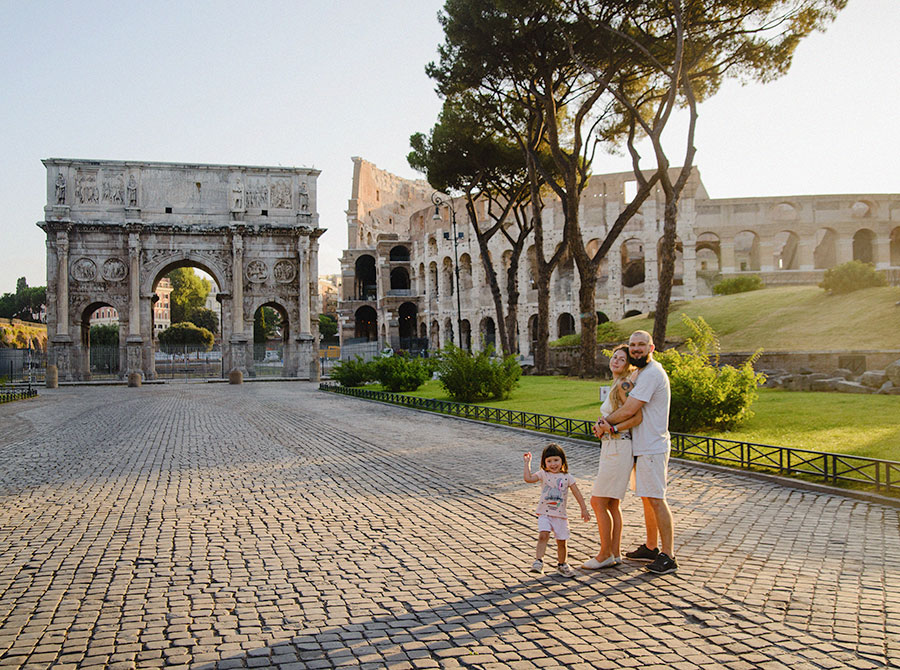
x: 116, y: 228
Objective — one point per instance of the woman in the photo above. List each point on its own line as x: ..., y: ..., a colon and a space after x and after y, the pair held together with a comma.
x: 616, y: 463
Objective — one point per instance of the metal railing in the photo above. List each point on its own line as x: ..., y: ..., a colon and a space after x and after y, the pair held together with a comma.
x: 9, y: 395
x: 880, y: 474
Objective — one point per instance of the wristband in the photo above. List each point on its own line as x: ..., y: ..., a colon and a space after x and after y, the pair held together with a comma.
x: 615, y: 430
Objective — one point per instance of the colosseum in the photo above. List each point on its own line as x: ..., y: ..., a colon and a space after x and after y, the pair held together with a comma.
x: 402, y: 263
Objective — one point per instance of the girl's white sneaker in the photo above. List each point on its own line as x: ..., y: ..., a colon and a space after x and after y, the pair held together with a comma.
x: 594, y: 564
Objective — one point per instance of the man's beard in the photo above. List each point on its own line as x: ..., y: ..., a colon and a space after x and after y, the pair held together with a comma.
x: 639, y: 362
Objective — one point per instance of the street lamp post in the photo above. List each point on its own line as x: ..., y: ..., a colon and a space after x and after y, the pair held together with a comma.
x: 438, y: 201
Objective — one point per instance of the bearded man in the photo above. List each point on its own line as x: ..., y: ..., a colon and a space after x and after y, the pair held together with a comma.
x: 651, y: 444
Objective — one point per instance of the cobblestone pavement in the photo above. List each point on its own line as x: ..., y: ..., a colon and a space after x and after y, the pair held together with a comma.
x: 274, y: 525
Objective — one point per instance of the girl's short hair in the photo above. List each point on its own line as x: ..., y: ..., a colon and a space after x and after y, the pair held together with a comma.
x: 553, y: 449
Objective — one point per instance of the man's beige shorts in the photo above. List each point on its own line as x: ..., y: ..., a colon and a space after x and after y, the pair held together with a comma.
x: 650, y: 475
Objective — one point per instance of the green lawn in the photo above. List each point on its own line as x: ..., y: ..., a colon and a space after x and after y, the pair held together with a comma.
x: 833, y: 422
x: 795, y: 318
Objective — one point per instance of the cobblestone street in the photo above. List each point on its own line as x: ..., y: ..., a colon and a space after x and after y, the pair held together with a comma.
x: 274, y: 525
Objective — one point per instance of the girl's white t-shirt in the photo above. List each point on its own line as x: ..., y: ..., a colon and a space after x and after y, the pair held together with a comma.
x: 554, y: 493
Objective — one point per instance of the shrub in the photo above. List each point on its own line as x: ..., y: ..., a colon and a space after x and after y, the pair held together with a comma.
x: 473, y: 377
x: 186, y: 333
x: 852, y: 276
x: 706, y: 396
x: 733, y: 285
x: 353, y: 372
x: 399, y: 372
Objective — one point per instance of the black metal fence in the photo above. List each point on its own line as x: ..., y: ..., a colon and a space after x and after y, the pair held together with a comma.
x: 882, y: 475
x: 9, y: 395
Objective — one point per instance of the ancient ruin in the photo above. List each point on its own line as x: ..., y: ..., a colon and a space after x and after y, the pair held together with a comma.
x: 115, y: 228
x: 398, y: 270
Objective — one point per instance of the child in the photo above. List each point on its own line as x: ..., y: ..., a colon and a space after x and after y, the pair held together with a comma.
x: 551, y: 508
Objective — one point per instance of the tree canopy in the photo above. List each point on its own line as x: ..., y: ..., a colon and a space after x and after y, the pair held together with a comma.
x: 189, y: 293
x: 25, y: 304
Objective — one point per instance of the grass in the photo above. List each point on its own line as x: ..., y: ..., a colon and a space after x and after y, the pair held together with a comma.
x: 860, y: 425
x: 795, y: 318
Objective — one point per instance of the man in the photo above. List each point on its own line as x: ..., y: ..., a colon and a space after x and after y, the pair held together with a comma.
x: 650, y: 444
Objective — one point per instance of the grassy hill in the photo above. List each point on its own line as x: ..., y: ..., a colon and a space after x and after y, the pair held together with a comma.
x: 796, y: 318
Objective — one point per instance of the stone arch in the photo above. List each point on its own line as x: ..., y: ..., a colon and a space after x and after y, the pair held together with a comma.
x: 184, y: 259
x: 465, y: 330
x: 487, y: 331
x: 366, y: 324
x: 864, y: 245
x: 708, y: 252
x: 433, y: 272
x: 261, y: 350
x: 465, y: 273
x: 400, y: 279
x: 449, y: 333
x: 432, y: 246
x: 746, y: 251
x: 369, y: 241
x: 365, y: 278
x: 423, y: 330
x: 784, y: 250
x: 602, y: 318
x: 399, y: 253
x: 421, y: 279
x: 564, y: 273
x: 825, y: 249
x: 435, y: 335
x: 565, y: 325
x: 96, y: 360
x: 406, y: 318
x: 633, y: 271
x: 895, y: 247
x: 532, y: 333
x: 632, y: 312
x: 447, y: 274
x: 505, y: 263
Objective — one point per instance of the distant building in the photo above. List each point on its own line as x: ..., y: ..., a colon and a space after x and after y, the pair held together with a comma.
x: 399, y: 273
x: 329, y: 293
x: 162, y: 309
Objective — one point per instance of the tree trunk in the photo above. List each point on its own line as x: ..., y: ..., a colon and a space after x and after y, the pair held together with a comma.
x: 666, y: 272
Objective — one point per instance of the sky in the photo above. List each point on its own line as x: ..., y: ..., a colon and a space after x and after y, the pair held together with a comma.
x: 311, y: 84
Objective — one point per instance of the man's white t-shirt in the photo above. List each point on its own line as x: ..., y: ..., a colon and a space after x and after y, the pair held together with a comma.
x: 651, y: 435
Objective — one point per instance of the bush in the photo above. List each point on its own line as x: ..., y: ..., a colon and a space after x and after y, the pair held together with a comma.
x: 733, y: 285
x: 852, y: 276
x: 475, y: 377
x: 399, y: 372
x: 608, y: 331
x: 706, y: 396
x: 353, y: 372
x: 186, y: 333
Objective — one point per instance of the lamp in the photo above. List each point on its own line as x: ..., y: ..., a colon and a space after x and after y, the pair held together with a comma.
x: 438, y: 201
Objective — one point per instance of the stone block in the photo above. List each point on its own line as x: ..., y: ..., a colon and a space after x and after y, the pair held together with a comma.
x: 825, y: 384
x: 51, y: 377
x: 843, y: 373
x: 873, y: 378
x: 892, y: 372
x: 134, y: 379
x: 797, y: 383
x: 852, y: 387
x: 818, y: 375
x: 235, y: 377
x: 886, y: 388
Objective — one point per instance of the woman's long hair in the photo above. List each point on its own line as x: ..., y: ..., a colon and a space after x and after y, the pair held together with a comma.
x: 614, y: 390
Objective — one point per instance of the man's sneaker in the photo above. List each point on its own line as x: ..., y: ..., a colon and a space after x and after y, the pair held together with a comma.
x: 565, y: 570
x: 537, y: 566
x: 663, y: 565
x: 642, y: 554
